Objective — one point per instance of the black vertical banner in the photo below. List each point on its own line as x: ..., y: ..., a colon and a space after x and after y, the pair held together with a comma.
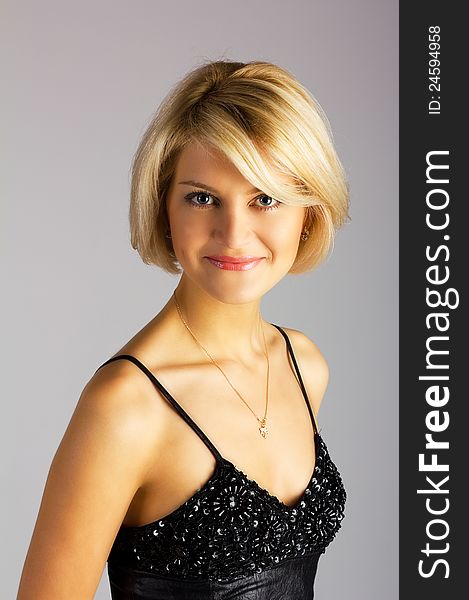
x: 434, y: 267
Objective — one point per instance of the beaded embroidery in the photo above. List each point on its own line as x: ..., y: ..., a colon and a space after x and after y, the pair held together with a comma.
x: 231, y: 527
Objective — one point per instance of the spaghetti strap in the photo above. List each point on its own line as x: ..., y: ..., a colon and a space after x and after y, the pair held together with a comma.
x: 300, y: 379
x: 182, y: 413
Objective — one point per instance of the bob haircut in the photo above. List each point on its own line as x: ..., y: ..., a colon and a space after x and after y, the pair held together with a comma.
x: 263, y: 120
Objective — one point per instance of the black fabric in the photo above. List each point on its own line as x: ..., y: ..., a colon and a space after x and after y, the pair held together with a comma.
x: 291, y: 580
x: 231, y: 538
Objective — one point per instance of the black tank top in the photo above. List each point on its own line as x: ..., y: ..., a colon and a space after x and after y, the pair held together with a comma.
x: 232, y: 538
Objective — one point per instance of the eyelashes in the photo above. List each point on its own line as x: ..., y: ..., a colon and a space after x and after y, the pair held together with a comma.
x: 189, y: 198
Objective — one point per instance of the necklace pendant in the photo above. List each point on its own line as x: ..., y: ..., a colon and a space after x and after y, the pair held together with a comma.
x: 263, y: 428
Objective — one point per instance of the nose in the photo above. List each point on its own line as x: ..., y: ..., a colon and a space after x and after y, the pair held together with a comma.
x: 233, y: 227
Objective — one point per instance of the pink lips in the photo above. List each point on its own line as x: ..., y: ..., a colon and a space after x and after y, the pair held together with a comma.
x: 232, y: 263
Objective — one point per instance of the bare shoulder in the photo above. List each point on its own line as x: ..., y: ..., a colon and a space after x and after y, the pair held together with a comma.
x: 313, y: 366
x: 120, y: 398
x: 99, y: 465
x: 120, y: 403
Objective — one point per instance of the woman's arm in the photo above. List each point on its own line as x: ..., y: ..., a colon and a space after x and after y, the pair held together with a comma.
x: 98, y: 467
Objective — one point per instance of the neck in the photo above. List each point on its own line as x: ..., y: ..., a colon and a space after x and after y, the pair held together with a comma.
x: 231, y: 332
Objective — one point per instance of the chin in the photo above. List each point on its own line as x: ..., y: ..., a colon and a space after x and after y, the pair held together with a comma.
x: 235, y: 288
x: 232, y: 292
x: 236, y: 295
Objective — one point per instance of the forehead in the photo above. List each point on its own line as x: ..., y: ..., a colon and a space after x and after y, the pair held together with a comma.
x: 198, y: 158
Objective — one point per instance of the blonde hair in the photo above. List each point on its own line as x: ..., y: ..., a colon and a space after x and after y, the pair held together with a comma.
x: 262, y: 119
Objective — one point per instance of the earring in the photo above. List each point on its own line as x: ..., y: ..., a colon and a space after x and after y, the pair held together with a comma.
x: 305, y: 234
x: 168, y: 234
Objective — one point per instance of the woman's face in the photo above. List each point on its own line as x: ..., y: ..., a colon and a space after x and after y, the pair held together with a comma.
x: 215, y: 215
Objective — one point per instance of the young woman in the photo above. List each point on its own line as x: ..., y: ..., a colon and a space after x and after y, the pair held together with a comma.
x: 193, y: 464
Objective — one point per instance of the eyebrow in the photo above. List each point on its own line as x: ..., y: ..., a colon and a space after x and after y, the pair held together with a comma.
x: 210, y: 188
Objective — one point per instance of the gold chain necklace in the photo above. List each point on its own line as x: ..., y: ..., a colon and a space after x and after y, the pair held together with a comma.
x: 262, y: 422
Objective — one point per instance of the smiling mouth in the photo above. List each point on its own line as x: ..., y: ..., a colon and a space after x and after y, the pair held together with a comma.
x: 231, y: 263
x: 234, y: 259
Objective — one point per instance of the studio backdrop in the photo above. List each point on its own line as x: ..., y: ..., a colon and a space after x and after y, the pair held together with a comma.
x: 82, y: 82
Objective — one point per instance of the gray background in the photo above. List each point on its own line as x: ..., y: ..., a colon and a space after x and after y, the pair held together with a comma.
x: 81, y: 81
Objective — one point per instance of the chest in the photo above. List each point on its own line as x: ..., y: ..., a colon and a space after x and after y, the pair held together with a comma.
x: 232, y: 528
x: 281, y: 463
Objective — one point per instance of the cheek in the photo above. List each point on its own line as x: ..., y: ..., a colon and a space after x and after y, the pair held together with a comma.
x: 185, y: 229
x: 189, y: 235
x: 285, y: 238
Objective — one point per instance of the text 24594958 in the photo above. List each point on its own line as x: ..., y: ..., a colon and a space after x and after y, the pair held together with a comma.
x: 434, y: 104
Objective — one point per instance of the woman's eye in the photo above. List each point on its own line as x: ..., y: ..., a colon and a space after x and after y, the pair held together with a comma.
x: 272, y: 203
x: 199, y: 199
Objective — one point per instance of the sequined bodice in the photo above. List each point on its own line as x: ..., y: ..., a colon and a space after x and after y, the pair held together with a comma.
x: 232, y: 529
